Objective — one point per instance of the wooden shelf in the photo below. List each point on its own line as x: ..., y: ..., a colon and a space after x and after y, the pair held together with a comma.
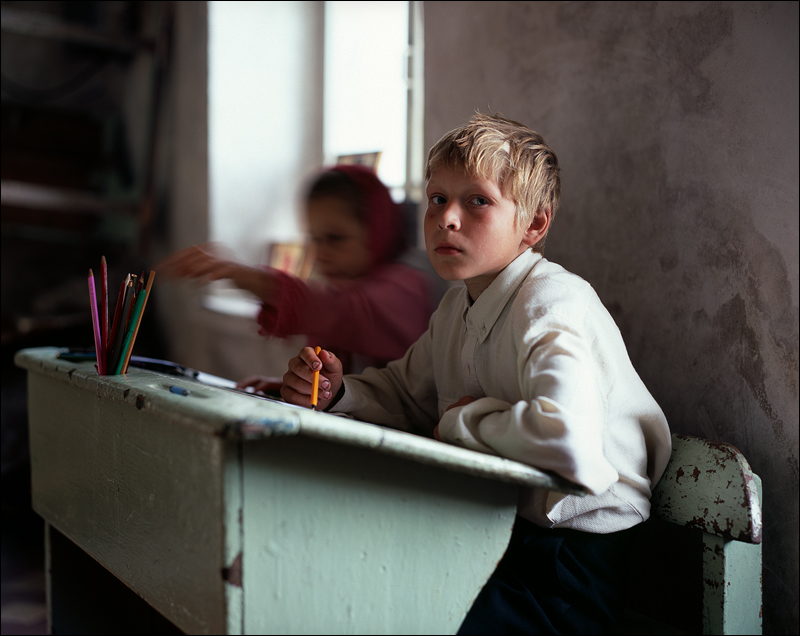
x: 41, y: 197
x: 43, y: 213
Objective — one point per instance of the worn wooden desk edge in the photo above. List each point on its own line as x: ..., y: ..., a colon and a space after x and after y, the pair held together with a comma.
x: 239, y: 417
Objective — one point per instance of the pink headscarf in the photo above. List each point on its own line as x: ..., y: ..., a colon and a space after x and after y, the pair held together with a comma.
x: 384, y: 217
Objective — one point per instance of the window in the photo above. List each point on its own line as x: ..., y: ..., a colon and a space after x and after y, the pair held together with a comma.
x: 293, y: 85
x: 366, y: 85
x: 264, y: 104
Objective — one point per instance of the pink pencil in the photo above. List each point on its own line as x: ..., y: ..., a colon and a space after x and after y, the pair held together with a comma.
x: 98, y: 343
x: 104, y: 305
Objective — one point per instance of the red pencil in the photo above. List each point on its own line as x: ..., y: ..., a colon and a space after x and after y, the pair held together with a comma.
x: 127, y: 303
x: 112, y: 337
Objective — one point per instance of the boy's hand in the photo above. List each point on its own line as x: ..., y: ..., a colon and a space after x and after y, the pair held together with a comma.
x: 467, y: 399
x: 298, y: 379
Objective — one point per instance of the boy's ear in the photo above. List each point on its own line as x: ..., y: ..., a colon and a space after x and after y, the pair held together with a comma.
x: 538, y: 227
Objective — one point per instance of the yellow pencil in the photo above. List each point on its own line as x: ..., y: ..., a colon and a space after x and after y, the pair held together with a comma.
x: 315, y: 384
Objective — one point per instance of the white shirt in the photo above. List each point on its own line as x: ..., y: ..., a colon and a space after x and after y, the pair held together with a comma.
x: 555, y: 387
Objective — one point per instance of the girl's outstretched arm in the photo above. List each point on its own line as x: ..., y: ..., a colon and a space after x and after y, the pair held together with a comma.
x: 206, y: 264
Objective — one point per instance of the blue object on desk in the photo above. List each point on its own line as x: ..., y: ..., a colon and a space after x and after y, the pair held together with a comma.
x: 179, y: 390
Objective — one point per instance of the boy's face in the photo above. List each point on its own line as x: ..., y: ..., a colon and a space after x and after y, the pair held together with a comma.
x: 341, y: 250
x: 471, y: 229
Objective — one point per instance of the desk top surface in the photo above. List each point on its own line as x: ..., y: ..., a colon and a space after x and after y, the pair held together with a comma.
x: 240, y: 417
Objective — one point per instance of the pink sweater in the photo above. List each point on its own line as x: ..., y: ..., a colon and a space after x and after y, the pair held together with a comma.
x: 376, y: 317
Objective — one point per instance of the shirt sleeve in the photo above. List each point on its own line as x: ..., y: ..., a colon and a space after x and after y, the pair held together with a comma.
x: 377, y: 317
x: 558, y: 423
x: 401, y: 396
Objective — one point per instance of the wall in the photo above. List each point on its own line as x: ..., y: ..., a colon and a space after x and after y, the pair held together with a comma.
x: 677, y: 130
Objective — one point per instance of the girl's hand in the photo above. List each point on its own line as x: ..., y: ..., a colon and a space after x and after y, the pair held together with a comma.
x: 198, y: 262
x: 297, y: 381
x: 261, y: 384
x: 467, y: 399
x: 205, y: 263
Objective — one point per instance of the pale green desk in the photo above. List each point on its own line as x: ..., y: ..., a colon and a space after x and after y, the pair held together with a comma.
x: 230, y: 514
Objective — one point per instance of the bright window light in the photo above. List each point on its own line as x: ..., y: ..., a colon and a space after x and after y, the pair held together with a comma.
x: 263, y: 94
x: 366, y: 85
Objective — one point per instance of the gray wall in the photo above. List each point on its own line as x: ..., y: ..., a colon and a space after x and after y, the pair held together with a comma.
x: 676, y: 125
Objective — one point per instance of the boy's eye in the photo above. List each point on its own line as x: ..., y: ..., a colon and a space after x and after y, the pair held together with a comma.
x: 479, y: 201
x: 437, y: 199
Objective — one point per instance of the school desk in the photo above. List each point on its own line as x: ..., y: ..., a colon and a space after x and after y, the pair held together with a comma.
x: 230, y: 514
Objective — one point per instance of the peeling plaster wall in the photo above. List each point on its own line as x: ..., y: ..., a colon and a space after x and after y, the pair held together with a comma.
x: 676, y: 125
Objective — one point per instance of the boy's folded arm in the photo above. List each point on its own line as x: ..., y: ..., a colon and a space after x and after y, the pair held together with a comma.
x: 496, y: 427
x: 557, y: 425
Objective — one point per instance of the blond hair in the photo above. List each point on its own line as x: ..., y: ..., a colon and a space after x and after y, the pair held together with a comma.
x: 509, y: 154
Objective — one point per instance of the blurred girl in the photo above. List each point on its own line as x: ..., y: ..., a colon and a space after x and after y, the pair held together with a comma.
x: 376, y: 294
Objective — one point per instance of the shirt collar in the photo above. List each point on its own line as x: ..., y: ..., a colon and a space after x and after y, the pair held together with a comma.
x: 486, y: 310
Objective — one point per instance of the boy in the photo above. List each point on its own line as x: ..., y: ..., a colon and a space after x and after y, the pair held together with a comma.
x: 523, y: 361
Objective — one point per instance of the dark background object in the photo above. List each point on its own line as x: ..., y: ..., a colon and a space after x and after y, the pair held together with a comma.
x: 82, y: 86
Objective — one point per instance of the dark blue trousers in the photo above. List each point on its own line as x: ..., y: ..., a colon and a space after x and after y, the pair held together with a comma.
x: 554, y: 581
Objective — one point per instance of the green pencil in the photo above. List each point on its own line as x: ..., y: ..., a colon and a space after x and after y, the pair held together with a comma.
x: 145, y: 293
x: 121, y: 326
x: 125, y: 351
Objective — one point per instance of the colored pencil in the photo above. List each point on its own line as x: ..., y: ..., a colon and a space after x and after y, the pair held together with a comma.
x: 115, y: 326
x: 315, y: 384
x: 123, y: 325
x: 124, y: 353
x: 98, y: 344
x: 126, y: 317
x: 104, y: 305
x: 144, y: 295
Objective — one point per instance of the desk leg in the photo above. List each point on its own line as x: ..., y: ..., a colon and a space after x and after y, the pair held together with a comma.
x: 85, y: 598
